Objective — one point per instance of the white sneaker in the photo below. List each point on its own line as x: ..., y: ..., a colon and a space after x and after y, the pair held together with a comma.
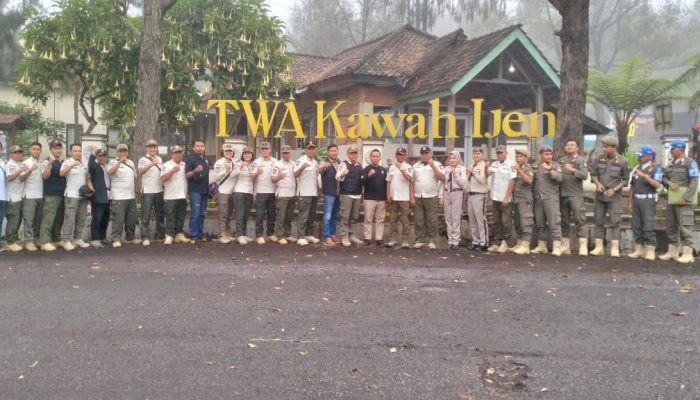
x: 30, y: 247
x: 355, y: 239
x: 68, y: 246
x: 302, y: 242
x: 312, y: 239
x: 391, y: 244
x: 116, y: 244
x: 282, y: 241
x: 168, y: 240
x: 80, y: 243
x: 96, y: 244
x: 146, y: 243
x: 346, y: 242
x: 432, y: 246
x: 242, y: 240
x: 260, y: 240
x: 272, y: 238
x: 418, y: 245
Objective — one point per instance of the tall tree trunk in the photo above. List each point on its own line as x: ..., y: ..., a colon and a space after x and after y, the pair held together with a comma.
x: 574, y: 70
x: 148, y: 95
x: 622, y: 128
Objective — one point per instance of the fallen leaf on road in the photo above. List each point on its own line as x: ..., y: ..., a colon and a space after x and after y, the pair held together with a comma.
x: 20, y: 377
x: 277, y: 288
x: 687, y: 288
x: 403, y: 289
x: 490, y: 371
x: 355, y: 301
x: 325, y: 299
x: 276, y: 310
x: 679, y: 313
x: 303, y: 353
x: 392, y: 349
x: 448, y: 334
x: 544, y: 390
x: 76, y: 287
x: 211, y: 362
x: 34, y: 364
x: 651, y: 306
x: 252, y: 345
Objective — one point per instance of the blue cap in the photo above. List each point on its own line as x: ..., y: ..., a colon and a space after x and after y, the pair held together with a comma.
x: 645, y: 151
x: 677, y: 144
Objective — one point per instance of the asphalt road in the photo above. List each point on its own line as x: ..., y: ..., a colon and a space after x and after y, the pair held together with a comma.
x: 266, y: 322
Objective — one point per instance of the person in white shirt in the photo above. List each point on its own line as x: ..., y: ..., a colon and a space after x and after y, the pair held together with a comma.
x: 398, y: 196
x: 306, y: 173
x: 283, y: 177
x: 243, y: 190
x: 174, y: 179
x: 15, y: 190
x: 502, y: 173
x: 149, y: 168
x: 455, y: 180
x: 223, y: 171
x: 264, y: 196
x: 75, y: 203
x: 33, y: 197
x: 426, y: 195
x: 3, y: 195
x: 123, y: 206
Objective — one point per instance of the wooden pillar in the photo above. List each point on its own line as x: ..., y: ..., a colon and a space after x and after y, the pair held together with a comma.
x: 539, y: 109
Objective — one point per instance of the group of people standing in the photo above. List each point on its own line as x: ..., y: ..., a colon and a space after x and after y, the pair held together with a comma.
x: 542, y: 199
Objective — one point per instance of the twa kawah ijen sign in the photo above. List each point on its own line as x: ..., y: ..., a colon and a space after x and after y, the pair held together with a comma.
x: 260, y: 120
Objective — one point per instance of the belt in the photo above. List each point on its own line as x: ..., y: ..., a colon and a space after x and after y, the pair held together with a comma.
x: 474, y: 193
x: 456, y: 190
x: 645, y: 196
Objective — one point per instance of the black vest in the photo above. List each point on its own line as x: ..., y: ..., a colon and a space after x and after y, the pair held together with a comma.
x: 641, y: 186
x: 55, y: 184
x: 329, y: 186
x: 352, y: 184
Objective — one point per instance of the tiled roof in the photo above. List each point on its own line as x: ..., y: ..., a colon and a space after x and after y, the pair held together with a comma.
x: 307, y: 68
x: 8, y: 119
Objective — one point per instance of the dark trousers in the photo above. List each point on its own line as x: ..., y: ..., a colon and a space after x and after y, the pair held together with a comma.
x: 611, y: 207
x: 242, y: 203
x: 175, y: 211
x: 572, y: 211
x: 502, y: 221
x: 51, y: 219
x: 152, y: 203
x: 644, y: 221
x: 100, y: 221
x: 264, y: 209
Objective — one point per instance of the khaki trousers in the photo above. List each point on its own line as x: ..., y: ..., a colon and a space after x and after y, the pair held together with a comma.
x: 375, y: 212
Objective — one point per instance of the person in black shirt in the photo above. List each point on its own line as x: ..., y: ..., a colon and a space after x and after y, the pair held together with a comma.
x: 197, y: 173
x: 97, y: 181
x: 54, y: 189
x: 374, y: 182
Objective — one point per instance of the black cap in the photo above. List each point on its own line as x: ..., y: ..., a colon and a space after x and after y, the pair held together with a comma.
x: 425, y: 149
x: 100, y: 152
x: 401, y: 150
x: 55, y: 143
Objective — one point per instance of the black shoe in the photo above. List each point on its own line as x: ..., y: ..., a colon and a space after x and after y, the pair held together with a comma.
x: 454, y: 247
x: 482, y: 248
x: 473, y: 247
x: 405, y: 246
x: 368, y: 242
x: 380, y: 243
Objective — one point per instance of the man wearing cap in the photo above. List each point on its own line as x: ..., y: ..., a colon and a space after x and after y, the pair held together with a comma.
x: 478, y: 189
x: 15, y: 191
x: 374, y: 202
x: 502, y: 173
x: 522, y: 200
x: 174, y: 180
x: 646, y: 180
x: 98, y: 181
x: 243, y: 192
x: 398, y: 196
x: 548, y: 177
x: 3, y: 195
x: 426, y: 196
x: 75, y: 202
x: 681, y: 180
x: 151, y: 193
x: 264, y: 196
x: 33, y: 197
x: 197, y: 172
x: 329, y: 188
x: 52, y: 208
x: 122, y: 175
x: 283, y: 177
x: 306, y: 173
x: 349, y: 176
x: 223, y: 170
x: 574, y: 172
x: 610, y: 174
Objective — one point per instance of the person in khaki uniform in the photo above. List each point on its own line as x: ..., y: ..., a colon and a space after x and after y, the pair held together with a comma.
x: 149, y: 168
x: 522, y: 200
x: 174, y: 177
x: 264, y: 196
x: 306, y: 174
x: 574, y: 171
x: 548, y: 177
x: 646, y: 180
x: 223, y: 170
x: 610, y: 174
x: 455, y: 180
x: 426, y: 196
x: 478, y: 189
x: 502, y: 173
x: 243, y: 192
x: 15, y: 190
x: 75, y: 205
x: 123, y: 207
x: 680, y: 176
x: 349, y: 176
x: 283, y: 177
x: 398, y: 198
